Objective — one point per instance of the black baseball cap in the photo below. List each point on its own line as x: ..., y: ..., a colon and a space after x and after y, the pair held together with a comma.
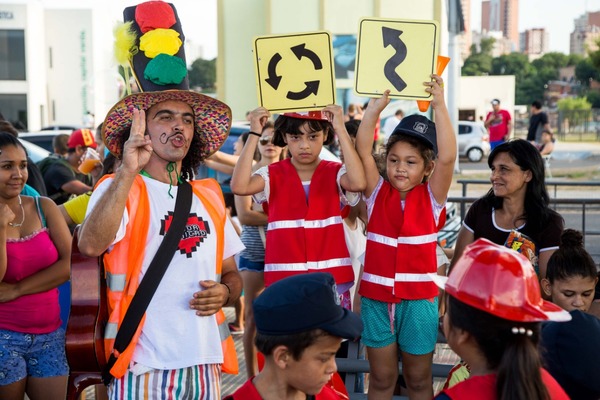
x: 419, y: 127
x: 302, y: 303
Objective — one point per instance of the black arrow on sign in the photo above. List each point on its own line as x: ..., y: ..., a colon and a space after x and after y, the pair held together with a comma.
x: 273, y: 78
x: 391, y: 37
x: 301, y: 51
x: 312, y: 87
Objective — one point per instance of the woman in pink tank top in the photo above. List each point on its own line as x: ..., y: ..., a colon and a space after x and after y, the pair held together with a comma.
x: 35, y: 249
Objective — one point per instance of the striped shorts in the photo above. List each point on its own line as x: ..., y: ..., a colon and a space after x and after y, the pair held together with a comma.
x: 200, y: 382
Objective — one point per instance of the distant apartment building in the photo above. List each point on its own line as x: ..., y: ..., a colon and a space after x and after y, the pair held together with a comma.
x: 502, y: 16
x: 585, y: 34
x: 535, y: 42
x: 466, y: 36
x: 501, y: 46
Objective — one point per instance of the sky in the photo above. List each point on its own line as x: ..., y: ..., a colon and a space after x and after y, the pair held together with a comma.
x: 201, y: 15
x: 555, y: 15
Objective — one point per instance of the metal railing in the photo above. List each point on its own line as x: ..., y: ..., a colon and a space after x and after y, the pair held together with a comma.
x: 555, y: 184
x: 588, y: 203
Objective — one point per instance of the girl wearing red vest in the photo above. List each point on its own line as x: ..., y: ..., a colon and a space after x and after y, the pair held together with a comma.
x: 492, y: 322
x: 302, y: 239
x: 405, y: 209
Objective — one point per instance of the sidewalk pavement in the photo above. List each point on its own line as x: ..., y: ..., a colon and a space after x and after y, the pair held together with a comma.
x: 573, y: 150
x: 569, y: 156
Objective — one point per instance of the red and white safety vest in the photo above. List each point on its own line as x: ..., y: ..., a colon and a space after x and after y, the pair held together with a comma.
x: 401, y: 247
x: 305, y: 236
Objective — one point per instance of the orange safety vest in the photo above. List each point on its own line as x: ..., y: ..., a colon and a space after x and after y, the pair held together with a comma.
x: 401, y: 247
x: 123, y: 265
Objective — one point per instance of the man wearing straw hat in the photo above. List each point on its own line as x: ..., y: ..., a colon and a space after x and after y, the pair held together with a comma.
x: 162, y: 135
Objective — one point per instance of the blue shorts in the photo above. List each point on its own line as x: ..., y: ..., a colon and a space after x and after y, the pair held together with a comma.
x: 247, y: 265
x: 495, y: 144
x: 38, y: 356
x: 415, y: 325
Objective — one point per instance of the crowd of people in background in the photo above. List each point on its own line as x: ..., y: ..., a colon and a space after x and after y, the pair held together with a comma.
x: 515, y: 214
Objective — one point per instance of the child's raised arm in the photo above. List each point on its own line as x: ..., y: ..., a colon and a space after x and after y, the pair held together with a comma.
x: 441, y: 178
x: 354, y: 178
x: 243, y: 183
x: 364, y: 140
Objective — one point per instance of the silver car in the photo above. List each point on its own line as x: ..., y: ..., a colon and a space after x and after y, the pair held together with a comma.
x: 473, y: 140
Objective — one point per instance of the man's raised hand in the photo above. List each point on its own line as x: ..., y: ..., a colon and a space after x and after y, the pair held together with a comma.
x: 138, y: 148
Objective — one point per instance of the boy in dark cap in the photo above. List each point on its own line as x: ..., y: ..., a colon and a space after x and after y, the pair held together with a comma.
x: 300, y: 325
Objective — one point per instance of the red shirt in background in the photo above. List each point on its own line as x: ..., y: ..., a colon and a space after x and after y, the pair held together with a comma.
x: 499, y: 126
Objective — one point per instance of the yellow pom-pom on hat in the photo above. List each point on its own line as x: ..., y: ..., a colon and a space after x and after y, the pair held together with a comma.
x: 125, y: 39
x: 160, y: 41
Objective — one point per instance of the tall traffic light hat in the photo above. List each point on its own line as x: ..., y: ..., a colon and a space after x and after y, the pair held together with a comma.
x: 151, y: 43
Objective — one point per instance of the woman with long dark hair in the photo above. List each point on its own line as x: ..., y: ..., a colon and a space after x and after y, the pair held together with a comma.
x: 35, y: 258
x: 515, y: 212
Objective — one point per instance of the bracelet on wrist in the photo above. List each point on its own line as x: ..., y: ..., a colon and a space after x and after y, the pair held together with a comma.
x: 228, y: 293
x: 254, y: 133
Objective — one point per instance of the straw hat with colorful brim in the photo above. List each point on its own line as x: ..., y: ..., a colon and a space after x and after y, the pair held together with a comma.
x: 213, y: 118
x: 499, y: 281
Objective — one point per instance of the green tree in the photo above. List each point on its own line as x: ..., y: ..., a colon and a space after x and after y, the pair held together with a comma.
x: 487, y: 45
x: 573, y: 103
x: 479, y: 62
x: 477, y: 65
x: 203, y: 74
x: 595, y: 56
x: 512, y: 64
x: 575, y: 110
x: 586, y: 71
x: 553, y: 60
x: 594, y: 98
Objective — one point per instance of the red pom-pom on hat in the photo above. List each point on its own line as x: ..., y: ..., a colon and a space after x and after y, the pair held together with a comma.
x: 154, y: 14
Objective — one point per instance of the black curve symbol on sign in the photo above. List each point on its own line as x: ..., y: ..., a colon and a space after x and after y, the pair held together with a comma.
x: 273, y: 78
x: 301, y: 51
x: 391, y: 37
x: 312, y: 87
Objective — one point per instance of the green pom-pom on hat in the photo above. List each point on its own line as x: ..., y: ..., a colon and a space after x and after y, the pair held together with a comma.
x: 165, y: 70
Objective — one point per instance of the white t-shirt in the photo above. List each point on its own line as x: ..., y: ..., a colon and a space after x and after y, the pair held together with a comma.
x: 173, y: 336
x: 357, y: 244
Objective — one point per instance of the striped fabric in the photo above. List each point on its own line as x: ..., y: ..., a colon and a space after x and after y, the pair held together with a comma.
x: 201, y: 382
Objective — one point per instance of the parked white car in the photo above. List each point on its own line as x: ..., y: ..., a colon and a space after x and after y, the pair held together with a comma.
x: 473, y: 140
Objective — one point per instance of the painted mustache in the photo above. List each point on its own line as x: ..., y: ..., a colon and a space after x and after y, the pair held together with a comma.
x: 165, y: 137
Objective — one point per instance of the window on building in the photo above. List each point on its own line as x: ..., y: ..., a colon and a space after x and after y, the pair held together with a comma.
x: 12, y: 55
x: 13, y: 108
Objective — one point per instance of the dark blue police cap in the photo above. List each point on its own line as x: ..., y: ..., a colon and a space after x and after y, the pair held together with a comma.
x: 302, y: 303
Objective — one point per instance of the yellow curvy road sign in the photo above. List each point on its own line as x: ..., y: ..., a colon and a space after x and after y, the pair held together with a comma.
x: 294, y: 72
x: 395, y: 54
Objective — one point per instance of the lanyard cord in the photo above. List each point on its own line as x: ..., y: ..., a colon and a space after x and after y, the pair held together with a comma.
x: 170, y: 169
